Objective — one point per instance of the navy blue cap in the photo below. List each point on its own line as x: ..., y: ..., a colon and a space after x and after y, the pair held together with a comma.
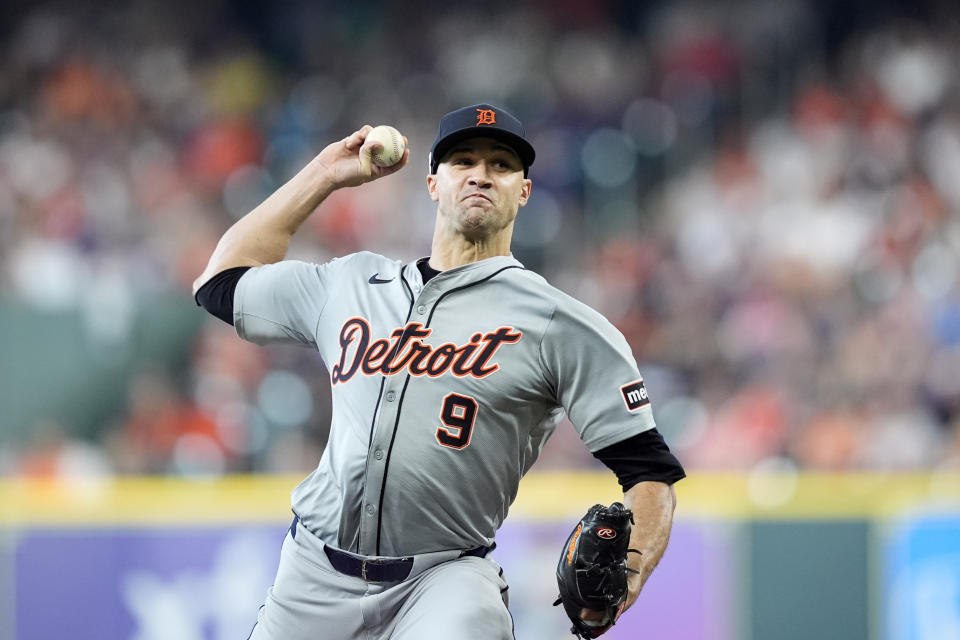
x: 481, y: 121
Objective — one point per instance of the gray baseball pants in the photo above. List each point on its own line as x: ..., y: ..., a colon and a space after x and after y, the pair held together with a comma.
x: 444, y: 597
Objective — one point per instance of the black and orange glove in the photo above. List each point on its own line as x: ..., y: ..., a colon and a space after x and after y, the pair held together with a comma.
x: 592, y: 572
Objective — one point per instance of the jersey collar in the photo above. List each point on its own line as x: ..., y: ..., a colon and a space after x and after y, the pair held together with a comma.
x: 467, y: 272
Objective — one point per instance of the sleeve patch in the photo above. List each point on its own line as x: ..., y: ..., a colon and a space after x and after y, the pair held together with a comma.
x: 635, y: 395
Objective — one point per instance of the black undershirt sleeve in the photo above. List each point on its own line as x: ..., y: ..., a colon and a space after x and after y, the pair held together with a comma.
x: 216, y: 294
x: 640, y: 458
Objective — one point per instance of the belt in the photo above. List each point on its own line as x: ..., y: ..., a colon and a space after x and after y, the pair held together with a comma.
x: 377, y: 569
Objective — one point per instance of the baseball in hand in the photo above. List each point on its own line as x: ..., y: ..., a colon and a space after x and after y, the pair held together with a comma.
x: 392, y: 143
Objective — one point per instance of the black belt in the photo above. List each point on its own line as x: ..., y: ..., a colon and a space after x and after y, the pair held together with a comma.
x: 378, y: 569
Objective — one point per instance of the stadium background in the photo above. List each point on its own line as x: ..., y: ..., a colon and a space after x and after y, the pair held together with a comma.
x: 764, y: 198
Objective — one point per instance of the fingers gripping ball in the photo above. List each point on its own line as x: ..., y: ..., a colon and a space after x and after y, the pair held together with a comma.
x: 392, y: 150
x: 592, y: 572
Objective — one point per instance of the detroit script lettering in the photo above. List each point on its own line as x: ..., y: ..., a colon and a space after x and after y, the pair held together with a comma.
x: 405, y: 350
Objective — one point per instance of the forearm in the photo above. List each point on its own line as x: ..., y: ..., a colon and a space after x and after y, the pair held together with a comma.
x: 263, y: 235
x: 652, y: 504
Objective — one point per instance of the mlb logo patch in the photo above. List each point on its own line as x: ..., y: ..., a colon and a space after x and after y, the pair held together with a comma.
x: 635, y: 395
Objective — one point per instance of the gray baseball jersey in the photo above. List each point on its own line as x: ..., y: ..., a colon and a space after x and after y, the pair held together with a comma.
x: 443, y: 394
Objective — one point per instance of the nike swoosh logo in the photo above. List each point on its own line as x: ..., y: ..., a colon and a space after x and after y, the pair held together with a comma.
x: 375, y: 280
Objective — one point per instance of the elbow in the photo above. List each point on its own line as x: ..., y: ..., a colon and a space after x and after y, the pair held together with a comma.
x: 199, y: 282
x: 654, y: 493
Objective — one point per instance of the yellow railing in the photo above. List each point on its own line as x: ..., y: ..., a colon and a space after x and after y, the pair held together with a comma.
x: 159, y: 501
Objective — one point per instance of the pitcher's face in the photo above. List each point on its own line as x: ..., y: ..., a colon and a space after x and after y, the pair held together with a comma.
x: 479, y: 186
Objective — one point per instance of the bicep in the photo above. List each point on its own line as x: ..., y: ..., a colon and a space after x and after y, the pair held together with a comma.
x: 595, y: 377
x: 282, y: 302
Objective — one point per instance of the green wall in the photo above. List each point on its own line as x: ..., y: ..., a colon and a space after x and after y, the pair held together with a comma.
x: 808, y: 580
x: 55, y: 366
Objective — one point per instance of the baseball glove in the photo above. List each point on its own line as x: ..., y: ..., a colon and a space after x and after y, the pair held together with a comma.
x: 592, y: 572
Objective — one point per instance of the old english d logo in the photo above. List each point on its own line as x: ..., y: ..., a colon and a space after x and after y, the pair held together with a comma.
x: 486, y: 116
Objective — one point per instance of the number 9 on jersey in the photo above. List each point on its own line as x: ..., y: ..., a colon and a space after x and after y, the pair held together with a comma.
x: 458, y: 415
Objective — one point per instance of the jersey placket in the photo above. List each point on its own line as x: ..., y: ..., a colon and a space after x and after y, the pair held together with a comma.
x: 385, y: 431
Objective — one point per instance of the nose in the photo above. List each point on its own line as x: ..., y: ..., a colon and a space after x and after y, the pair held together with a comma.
x: 479, y: 176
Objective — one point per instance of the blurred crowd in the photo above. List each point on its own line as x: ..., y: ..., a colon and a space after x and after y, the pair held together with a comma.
x: 764, y: 201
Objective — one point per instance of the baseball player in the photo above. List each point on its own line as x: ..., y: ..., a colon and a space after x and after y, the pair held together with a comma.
x: 448, y: 375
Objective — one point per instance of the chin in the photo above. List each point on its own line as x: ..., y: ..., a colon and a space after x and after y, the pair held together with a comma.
x: 479, y: 222
x: 476, y: 218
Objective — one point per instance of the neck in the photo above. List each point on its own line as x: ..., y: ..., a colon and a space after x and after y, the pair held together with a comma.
x: 450, y: 249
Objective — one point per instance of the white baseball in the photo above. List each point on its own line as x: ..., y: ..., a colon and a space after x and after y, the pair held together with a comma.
x: 392, y: 143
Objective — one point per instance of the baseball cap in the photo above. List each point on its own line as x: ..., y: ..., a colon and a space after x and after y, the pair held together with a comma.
x: 481, y: 121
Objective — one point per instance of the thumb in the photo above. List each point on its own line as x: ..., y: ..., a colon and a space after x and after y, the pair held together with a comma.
x: 365, y: 157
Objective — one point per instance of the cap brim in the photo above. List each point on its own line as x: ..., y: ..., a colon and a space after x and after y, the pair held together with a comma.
x: 523, y: 149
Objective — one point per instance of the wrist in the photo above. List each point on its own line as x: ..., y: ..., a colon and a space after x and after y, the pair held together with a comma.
x: 635, y: 561
x: 321, y: 177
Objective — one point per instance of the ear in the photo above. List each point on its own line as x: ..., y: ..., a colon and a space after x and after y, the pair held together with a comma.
x: 432, y: 187
x: 525, y: 191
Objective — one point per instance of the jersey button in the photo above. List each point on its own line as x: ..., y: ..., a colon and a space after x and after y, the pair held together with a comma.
x: 370, y: 509
x: 421, y: 309
x: 378, y: 454
x: 391, y: 396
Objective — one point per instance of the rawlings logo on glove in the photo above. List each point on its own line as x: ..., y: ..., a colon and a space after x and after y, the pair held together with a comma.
x: 592, y: 572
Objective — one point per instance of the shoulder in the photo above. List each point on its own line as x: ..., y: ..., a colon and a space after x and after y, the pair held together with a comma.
x: 369, y: 259
x: 360, y: 261
x: 363, y: 261
x: 572, y: 320
x: 564, y: 305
